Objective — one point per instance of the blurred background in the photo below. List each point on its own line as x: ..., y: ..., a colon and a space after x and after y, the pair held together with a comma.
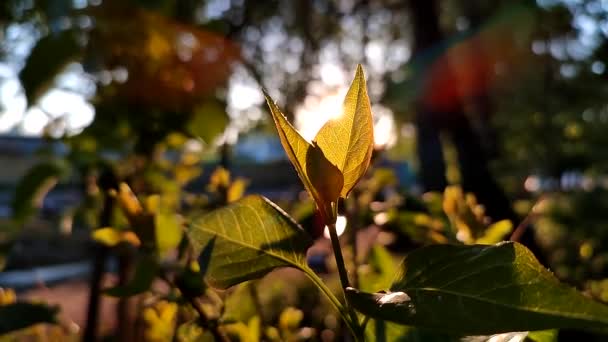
x: 505, y: 98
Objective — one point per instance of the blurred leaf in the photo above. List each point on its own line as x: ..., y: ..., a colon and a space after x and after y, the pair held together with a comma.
x: 129, y: 202
x: 542, y: 336
x: 382, y: 270
x: 321, y: 179
x: 48, y: 58
x: 250, y: 332
x: 21, y: 315
x: 168, y: 231
x: 480, y: 290
x: 160, y: 321
x: 496, y: 232
x: 112, y: 237
x: 145, y: 272
x: 290, y: 318
x: 208, y: 121
x: 7, y: 296
x: 252, y: 237
x: 220, y: 179
x: 348, y: 140
x: 236, y: 190
x: 192, y: 332
x: 31, y: 189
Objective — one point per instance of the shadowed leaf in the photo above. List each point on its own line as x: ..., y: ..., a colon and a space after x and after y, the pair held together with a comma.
x: 480, y: 290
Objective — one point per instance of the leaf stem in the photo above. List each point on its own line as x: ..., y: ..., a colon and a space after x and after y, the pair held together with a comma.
x: 335, y: 244
x: 345, y: 313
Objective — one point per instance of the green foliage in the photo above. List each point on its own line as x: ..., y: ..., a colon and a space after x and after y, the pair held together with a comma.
x: 246, y: 240
x: 146, y: 271
x: 20, y: 315
x: 480, y: 290
x: 208, y: 121
x: 35, y: 184
x: 46, y: 60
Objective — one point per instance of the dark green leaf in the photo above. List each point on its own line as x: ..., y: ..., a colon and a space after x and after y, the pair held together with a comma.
x: 22, y: 315
x: 480, y: 290
x: 145, y: 273
x: 252, y: 237
x: 32, y: 188
x: 48, y: 58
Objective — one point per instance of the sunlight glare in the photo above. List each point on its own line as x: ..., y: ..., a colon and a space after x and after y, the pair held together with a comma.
x: 315, y: 112
x: 340, y: 227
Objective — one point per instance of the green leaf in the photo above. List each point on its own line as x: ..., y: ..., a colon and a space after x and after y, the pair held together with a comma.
x: 480, y: 290
x: 208, y: 121
x: 251, y: 237
x: 542, y: 336
x: 48, y: 58
x: 348, y: 140
x: 168, y: 231
x: 145, y: 272
x: 21, y: 315
x: 320, y: 177
x: 496, y: 232
x: 380, y: 270
x: 111, y: 237
x: 31, y: 189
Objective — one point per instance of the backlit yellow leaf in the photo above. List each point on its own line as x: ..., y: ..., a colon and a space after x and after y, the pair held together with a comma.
x: 322, y: 180
x: 347, y: 141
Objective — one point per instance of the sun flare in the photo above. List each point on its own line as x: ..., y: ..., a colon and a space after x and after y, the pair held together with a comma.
x: 317, y: 110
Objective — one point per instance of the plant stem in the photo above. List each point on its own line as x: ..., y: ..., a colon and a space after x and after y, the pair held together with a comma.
x: 353, y: 218
x: 346, y: 314
x: 218, y: 334
x: 335, y: 244
x: 214, y: 329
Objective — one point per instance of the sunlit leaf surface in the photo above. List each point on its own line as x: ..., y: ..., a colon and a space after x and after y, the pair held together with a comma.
x: 320, y: 177
x: 347, y: 140
x: 246, y: 240
x: 480, y: 290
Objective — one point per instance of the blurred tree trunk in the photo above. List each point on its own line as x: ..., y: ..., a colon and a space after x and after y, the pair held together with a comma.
x: 431, y: 122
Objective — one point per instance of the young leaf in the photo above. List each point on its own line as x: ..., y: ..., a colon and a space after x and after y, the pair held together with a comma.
x: 251, y: 237
x: 347, y: 141
x: 320, y: 177
x: 480, y: 290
